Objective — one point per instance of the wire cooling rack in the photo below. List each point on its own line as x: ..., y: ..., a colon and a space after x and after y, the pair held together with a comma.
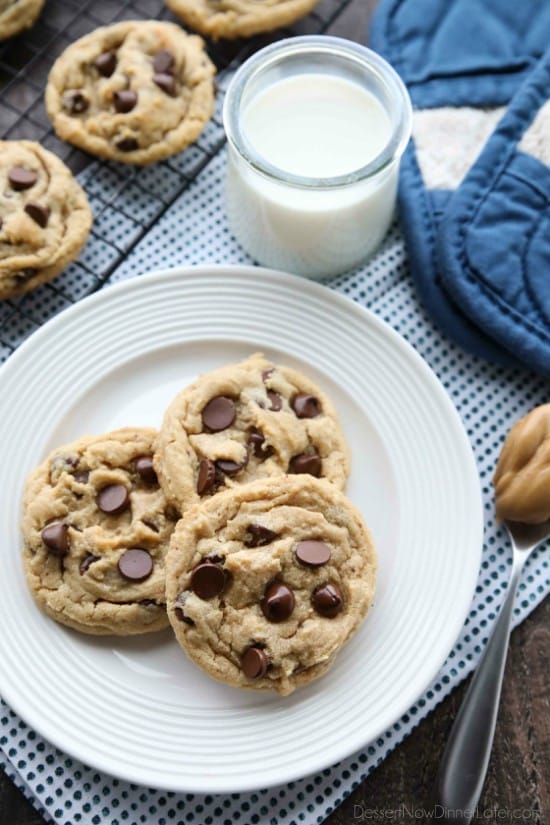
x: 126, y: 200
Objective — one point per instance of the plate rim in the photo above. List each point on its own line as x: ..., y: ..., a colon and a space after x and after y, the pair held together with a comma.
x: 78, y: 750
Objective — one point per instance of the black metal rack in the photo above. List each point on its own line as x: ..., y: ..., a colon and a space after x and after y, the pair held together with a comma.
x: 126, y: 200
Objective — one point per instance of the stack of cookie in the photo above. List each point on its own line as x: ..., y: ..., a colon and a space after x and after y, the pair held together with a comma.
x: 230, y: 524
x: 134, y: 92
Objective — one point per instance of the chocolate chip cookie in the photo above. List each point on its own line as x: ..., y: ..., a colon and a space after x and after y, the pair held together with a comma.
x: 135, y: 92
x: 16, y: 15
x: 266, y: 582
x: 44, y: 216
x: 243, y: 422
x: 239, y: 18
x: 96, y: 528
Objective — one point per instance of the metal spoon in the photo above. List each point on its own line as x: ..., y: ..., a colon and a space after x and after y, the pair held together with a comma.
x: 461, y: 775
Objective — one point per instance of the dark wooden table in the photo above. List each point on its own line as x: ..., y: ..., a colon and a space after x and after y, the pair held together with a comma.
x: 518, y: 784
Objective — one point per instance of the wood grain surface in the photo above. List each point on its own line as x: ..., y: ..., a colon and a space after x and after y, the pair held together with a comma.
x: 399, y: 790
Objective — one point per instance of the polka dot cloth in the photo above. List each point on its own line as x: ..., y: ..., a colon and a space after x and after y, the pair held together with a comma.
x: 489, y: 398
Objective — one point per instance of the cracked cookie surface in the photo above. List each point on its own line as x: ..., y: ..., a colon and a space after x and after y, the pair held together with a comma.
x: 266, y: 582
x: 44, y: 217
x: 243, y: 422
x: 135, y: 92
x: 96, y: 528
x: 16, y: 15
x: 239, y: 18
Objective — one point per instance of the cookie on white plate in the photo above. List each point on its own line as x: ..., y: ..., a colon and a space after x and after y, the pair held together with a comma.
x: 96, y: 527
x: 243, y: 422
x: 267, y: 581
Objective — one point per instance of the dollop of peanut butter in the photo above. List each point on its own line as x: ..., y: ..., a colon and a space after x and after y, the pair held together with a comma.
x: 522, y: 476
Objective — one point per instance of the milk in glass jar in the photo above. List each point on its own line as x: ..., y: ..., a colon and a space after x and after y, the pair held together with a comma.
x: 316, y: 128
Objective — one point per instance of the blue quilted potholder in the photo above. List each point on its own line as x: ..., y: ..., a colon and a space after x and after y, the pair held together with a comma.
x: 494, y: 244
x: 462, y: 61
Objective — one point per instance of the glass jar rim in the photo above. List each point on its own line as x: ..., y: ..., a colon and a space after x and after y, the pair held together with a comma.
x: 317, y: 44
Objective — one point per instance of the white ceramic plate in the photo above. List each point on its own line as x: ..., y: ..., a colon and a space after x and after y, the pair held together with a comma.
x: 137, y: 708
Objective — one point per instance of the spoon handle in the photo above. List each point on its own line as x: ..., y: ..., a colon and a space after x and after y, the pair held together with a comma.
x: 461, y: 775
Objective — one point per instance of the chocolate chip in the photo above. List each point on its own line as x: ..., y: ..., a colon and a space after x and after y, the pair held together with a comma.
x: 259, y: 536
x: 145, y: 469
x: 254, y: 663
x: 215, y: 558
x: 256, y: 440
x: 306, y: 406
x: 181, y: 617
x: 126, y: 144
x: 327, y: 600
x: 25, y: 274
x: 278, y: 602
x: 206, y: 477
x: 219, y: 413
x: 312, y: 553
x: 179, y: 608
x: 82, y: 477
x: 165, y: 82
x: 62, y: 464
x: 40, y: 214
x: 55, y: 537
x: 172, y: 512
x: 267, y: 373
x: 136, y: 565
x: 207, y: 580
x: 276, y: 401
x: 106, y: 63
x: 75, y: 102
x: 306, y: 463
x: 21, y: 178
x: 86, y: 562
x: 125, y: 100
x: 163, y: 62
x: 113, y: 499
x: 229, y: 468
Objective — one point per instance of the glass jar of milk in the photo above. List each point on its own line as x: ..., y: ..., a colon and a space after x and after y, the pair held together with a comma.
x: 316, y: 127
